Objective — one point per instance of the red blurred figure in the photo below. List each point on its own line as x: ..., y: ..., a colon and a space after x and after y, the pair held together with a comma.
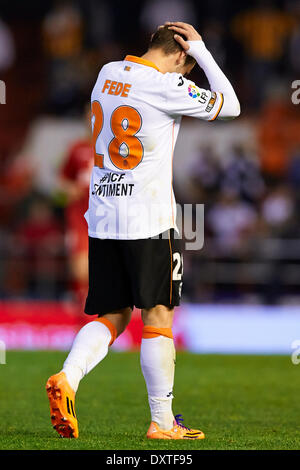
x: 75, y: 176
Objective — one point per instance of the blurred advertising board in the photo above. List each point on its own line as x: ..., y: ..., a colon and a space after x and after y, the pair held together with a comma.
x: 232, y: 329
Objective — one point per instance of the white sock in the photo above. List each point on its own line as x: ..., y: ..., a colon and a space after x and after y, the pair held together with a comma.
x: 90, y: 346
x: 158, y: 366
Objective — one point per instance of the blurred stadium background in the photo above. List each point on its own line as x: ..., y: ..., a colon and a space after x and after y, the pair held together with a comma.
x: 241, y: 291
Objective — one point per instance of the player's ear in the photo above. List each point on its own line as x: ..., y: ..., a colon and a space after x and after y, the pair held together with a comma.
x: 180, y: 59
x: 184, y: 54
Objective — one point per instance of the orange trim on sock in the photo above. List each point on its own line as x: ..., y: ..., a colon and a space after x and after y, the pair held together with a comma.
x: 110, y: 326
x: 153, y: 332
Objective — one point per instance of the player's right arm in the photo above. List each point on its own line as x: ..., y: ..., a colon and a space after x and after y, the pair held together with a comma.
x: 227, y: 103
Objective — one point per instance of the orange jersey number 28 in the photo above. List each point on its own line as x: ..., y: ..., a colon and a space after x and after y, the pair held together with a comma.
x: 125, y: 149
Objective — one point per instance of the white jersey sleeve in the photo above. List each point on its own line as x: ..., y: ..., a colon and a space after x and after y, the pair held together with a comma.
x: 185, y: 98
x: 217, y: 79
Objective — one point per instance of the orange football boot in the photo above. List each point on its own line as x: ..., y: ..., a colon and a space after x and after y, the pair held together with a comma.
x: 62, y: 405
x: 178, y: 431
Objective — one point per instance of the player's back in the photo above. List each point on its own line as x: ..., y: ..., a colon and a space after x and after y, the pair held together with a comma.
x: 134, y: 138
x: 131, y: 97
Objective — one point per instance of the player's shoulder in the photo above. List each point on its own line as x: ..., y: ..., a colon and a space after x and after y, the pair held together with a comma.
x: 113, y: 64
x: 174, y: 79
x: 177, y: 81
x: 180, y: 86
x: 109, y: 66
x: 168, y: 79
x: 164, y: 82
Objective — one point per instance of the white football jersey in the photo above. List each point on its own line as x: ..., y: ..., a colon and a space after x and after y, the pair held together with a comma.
x: 136, y: 114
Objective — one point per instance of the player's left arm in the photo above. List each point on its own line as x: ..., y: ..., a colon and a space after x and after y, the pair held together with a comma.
x: 194, y: 46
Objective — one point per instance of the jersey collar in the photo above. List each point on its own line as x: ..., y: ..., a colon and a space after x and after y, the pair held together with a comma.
x: 139, y: 60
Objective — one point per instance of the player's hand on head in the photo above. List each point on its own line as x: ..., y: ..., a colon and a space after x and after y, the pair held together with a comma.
x: 187, y: 30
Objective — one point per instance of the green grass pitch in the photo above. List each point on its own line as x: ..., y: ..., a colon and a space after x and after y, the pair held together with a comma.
x: 240, y: 402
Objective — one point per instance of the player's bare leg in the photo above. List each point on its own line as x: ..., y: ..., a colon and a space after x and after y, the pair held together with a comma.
x: 158, y: 367
x: 90, y: 346
x: 159, y: 316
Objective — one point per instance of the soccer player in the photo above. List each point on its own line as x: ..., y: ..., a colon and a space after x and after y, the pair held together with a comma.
x: 134, y: 258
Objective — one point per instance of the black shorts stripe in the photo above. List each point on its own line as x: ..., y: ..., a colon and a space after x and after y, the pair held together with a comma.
x: 171, y: 263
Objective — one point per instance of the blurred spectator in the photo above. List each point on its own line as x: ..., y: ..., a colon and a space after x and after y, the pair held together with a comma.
x: 242, y: 174
x: 263, y: 31
x: 278, y: 210
x: 62, y: 30
x: 69, y: 64
x: 7, y: 47
x: 278, y: 134
x: 231, y: 221
x: 205, y: 172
